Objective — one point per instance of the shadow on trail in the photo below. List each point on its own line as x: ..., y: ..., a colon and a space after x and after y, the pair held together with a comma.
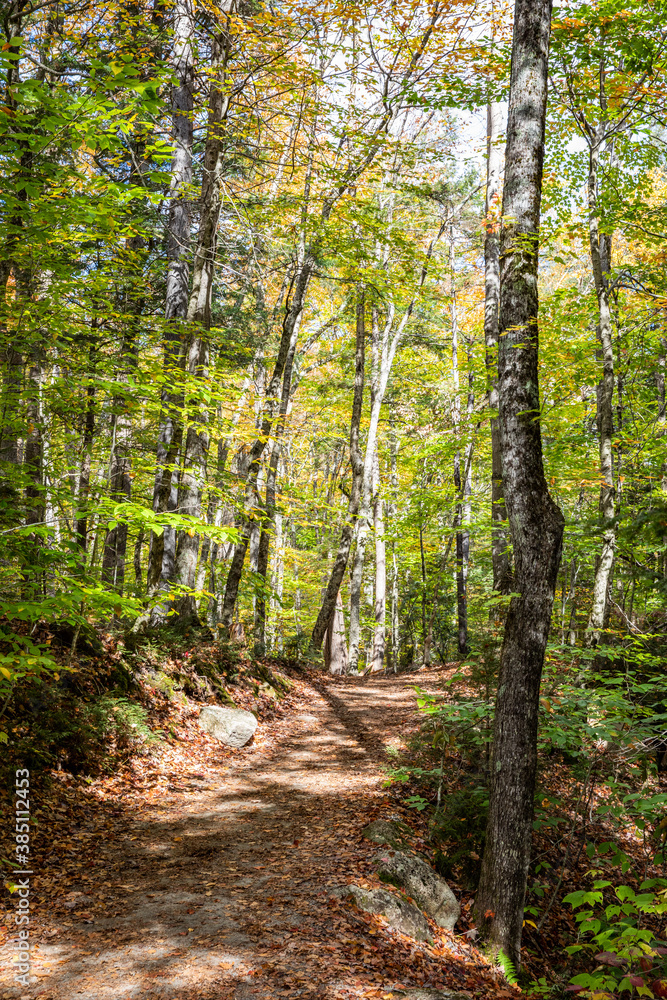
x: 227, y: 893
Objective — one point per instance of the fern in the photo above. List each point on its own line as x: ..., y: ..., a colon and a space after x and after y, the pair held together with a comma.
x: 508, y: 968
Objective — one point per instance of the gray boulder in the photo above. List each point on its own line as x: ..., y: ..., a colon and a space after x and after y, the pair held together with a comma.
x: 429, y: 891
x: 232, y: 726
x: 384, y: 831
x: 399, y: 914
x: 422, y: 993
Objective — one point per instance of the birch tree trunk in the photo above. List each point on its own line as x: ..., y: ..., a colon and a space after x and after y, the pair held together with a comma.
x: 462, y: 484
x: 377, y: 660
x: 395, y: 633
x: 170, y: 433
x: 536, y: 523
x: 363, y: 523
x: 600, y: 247
x: 331, y: 595
x: 120, y: 467
x: 83, y: 491
x: 356, y: 580
x: 193, y: 478
x: 502, y: 573
x: 33, y: 461
x: 335, y: 648
x: 275, y: 639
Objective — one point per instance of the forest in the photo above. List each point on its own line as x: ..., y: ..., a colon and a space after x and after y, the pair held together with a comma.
x: 333, y: 346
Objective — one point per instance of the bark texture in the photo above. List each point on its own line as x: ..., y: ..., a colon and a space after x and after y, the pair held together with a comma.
x: 462, y: 482
x: 536, y: 524
x: 83, y: 491
x: 120, y: 472
x: 600, y: 247
x: 342, y: 555
x: 377, y: 660
x: 179, y: 223
x: 502, y: 574
x: 193, y: 479
x: 335, y: 648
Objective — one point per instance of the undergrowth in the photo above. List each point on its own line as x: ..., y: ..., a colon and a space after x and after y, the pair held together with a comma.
x: 596, y: 907
x: 112, y: 700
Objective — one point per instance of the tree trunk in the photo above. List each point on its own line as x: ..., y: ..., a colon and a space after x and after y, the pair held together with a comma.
x: 335, y: 649
x: 393, y: 509
x: 137, y: 562
x: 83, y: 491
x: 356, y: 580
x: 462, y: 485
x: 284, y: 367
x: 170, y: 432
x: 264, y: 547
x: 383, y: 351
x: 193, y: 479
x: 34, y: 441
x: 426, y: 645
x: 536, y: 524
x: 277, y: 578
x: 377, y: 660
x: 11, y: 391
x: 342, y: 555
x: 600, y: 246
x: 120, y: 481
x: 660, y: 383
x: 502, y: 573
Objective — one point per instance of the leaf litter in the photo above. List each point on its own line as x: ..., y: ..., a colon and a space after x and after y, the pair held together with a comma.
x: 204, y: 872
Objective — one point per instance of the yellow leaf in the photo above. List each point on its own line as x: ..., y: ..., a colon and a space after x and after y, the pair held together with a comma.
x: 3, y: 670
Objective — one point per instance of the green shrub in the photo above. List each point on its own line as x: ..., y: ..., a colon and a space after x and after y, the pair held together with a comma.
x: 80, y: 736
x: 458, y: 829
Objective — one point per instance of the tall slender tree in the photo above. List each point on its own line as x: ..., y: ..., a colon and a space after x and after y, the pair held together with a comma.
x: 179, y: 223
x: 502, y: 576
x: 536, y: 523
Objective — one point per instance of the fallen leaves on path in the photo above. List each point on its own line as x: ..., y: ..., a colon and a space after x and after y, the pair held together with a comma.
x: 203, y: 872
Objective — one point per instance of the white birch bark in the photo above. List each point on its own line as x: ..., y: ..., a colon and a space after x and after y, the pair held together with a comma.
x: 163, y: 547
x: 377, y: 660
x: 600, y: 249
x: 499, y: 537
x: 193, y: 478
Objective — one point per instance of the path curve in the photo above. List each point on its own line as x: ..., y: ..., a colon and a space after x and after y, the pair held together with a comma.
x: 227, y: 883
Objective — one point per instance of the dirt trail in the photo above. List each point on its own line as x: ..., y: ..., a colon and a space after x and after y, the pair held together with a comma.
x: 225, y: 884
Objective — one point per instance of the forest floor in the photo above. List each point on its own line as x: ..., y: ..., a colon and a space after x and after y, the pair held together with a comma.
x: 204, y: 872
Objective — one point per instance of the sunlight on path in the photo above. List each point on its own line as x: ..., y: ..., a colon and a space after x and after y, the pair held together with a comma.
x: 225, y: 887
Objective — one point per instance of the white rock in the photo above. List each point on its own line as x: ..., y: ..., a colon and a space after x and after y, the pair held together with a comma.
x: 429, y: 891
x: 232, y: 726
x: 398, y: 912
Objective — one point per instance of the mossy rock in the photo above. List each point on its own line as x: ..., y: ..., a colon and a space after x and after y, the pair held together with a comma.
x: 387, y: 831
